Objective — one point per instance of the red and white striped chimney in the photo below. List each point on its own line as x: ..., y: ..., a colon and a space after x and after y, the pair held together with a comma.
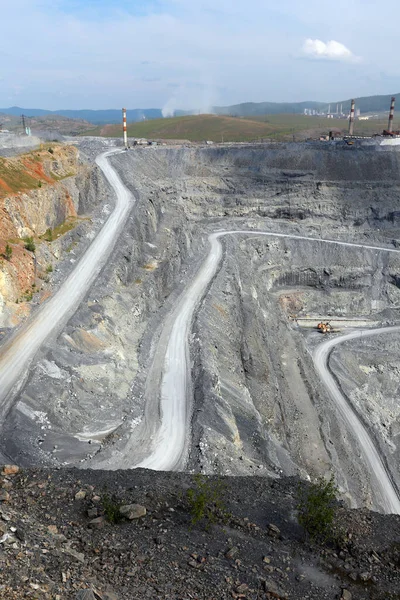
x: 391, y: 115
x: 125, y: 131
x: 351, y: 120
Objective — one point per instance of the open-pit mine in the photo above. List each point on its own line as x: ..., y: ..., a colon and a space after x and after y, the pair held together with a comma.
x: 180, y: 329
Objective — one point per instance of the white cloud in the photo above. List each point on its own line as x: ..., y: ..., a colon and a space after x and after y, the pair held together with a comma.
x: 331, y: 50
x: 154, y: 56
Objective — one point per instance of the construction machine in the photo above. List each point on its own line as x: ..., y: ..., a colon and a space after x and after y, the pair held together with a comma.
x: 324, y: 327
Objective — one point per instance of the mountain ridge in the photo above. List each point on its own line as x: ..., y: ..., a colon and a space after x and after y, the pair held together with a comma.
x: 377, y: 103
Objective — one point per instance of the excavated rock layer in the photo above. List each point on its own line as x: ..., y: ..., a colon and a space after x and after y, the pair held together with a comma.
x: 52, y: 194
x: 258, y: 405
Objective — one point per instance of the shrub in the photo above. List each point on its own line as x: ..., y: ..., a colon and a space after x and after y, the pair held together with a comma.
x: 8, y: 252
x: 51, y: 150
x: 49, y: 269
x: 29, y: 244
x: 40, y: 184
x: 48, y: 235
x: 317, y: 508
x: 205, y: 500
x: 111, y: 508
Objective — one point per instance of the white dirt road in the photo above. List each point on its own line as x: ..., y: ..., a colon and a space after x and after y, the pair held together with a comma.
x: 383, y: 486
x: 171, y: 441
x: 18, y: 352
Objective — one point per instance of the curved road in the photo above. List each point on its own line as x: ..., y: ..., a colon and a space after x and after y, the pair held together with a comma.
x: 384, y: 489
x: 17, y: 353
x: 171, y: 440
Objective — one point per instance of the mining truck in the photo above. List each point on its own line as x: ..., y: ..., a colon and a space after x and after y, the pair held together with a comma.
x: 324, y: 327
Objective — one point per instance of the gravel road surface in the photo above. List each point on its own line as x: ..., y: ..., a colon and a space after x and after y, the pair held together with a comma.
x: 171, y: 439
x: 383, y: 484
x: 18, y: 352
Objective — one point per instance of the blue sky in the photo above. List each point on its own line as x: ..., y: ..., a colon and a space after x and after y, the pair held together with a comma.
x: 193, y: 54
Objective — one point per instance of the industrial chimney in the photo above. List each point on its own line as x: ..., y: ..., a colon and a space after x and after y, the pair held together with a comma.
x: 351, y: 120
x: 391, y: 115
x: 124, y: 126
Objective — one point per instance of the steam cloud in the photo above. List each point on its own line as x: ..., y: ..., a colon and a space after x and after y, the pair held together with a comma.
x: 198, y: 98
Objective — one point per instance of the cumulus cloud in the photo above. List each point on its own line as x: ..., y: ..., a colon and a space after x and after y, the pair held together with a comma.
x: 331, y: 50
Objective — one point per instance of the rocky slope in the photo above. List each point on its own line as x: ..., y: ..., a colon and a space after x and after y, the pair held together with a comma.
x: 61, y: 538
x: 43, y: 195
x: 258, y: 406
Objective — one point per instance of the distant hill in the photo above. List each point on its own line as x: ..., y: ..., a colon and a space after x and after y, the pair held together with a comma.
x: 193, y: 128
x: 374, y: 104
x: 49, y: 123
x: 250, y: 109
x: 217, y: 128
x: 96, y: 117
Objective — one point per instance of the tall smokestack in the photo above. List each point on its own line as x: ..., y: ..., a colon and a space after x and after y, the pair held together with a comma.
x: 337, y: 109
x: 124, y: 126
x: 391, y: 115
x: 351, y: 120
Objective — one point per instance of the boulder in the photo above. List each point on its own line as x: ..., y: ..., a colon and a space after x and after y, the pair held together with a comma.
x: 132, y: 511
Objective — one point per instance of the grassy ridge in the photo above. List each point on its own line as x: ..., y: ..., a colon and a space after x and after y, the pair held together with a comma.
x: 193, y: 128
x: 30, y: 170
x: 289, y: 124
x: 197, y: 128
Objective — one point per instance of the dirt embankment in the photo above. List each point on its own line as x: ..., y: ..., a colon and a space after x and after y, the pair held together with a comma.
x: 39, y: 200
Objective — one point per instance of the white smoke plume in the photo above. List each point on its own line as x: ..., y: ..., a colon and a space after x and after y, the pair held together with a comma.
x: 196, y: 98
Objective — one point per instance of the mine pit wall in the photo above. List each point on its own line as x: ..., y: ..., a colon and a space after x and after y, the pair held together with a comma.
x: 92, y: 379
x: 360, y: 187
x: 257, y: 401
x: 30, y: 214
x: 241, y: 420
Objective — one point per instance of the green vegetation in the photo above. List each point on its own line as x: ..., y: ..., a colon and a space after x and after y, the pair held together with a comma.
x: 27, y: 297
x: 317, y: 509
x: 48, y: 235
x: 49, y: 269
x: 205, y: 501
x: 8, y: 252
x: 68, y: 224
x: 302, y: 126
x: 29, y: 244
x: 52, y: 234
x: 15, y: 177
x: 276, y: 127
x: 28, y: 171
x: 111, y: 508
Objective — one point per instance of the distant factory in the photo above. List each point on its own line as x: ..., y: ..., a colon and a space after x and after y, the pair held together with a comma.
x: 331, y: 114
x: 389, y: 136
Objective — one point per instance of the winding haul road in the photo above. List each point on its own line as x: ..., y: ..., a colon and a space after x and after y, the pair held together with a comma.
x: 384, y: 488
x: 18, y: 352
x: 171, y: 439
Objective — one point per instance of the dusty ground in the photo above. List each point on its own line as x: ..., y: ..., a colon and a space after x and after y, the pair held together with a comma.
x: 55, y: 542
x: 258, y: 406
